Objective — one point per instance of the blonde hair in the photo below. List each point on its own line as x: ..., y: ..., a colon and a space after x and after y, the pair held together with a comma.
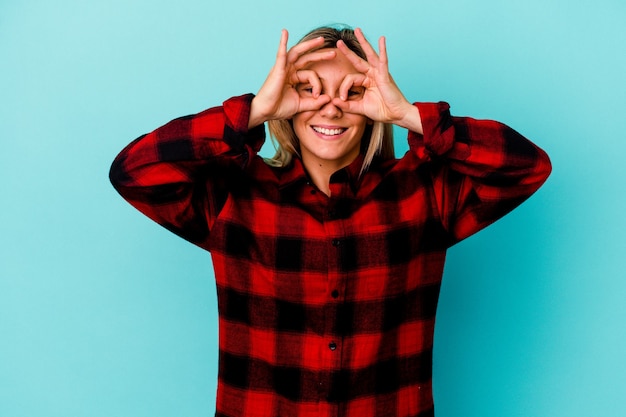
x: 377, y: 138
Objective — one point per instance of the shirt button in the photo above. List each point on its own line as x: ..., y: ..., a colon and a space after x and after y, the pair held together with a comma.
x: 336, y: 242
x: 332, y: 346
x: 334, y: 294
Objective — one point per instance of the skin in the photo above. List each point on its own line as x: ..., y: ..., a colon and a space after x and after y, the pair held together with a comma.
x: 330, y: 95
x: 330, y: 138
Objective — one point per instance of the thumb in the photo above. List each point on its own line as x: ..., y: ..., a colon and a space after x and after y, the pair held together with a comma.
x: 349, y: 106
x: 310, y: 103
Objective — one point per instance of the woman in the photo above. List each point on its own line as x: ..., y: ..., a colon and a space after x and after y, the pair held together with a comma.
x: 328, y: 258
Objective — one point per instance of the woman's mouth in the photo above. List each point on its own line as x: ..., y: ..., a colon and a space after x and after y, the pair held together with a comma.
x: 326, y: 131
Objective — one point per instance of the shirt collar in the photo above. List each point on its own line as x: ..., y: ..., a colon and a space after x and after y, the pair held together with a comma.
x: 296, y: 174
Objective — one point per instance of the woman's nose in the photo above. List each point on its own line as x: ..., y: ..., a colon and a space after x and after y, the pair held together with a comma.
x: 330, y: 111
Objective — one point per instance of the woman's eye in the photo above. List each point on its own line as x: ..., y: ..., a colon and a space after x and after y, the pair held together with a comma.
x: 305, y: 90
x: 355, y: 93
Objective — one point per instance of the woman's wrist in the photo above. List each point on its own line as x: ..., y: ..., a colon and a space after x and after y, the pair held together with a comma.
x: 412, y: 119
x: 256, y: 117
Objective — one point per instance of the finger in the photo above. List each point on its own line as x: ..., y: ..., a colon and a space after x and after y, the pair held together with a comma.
x: 300, y: 49
x: 281, y: 55
x: 307, y: 77
x: 354, y: 107
x: 359, y: 63
x: 350, y: 81
x: 370, y: 53
x: 382, y: 48
x: 311, y: 57
x: 309, y: 104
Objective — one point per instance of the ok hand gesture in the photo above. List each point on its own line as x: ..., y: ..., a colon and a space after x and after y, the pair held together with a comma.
x: 382, y: 100
x: 277, y: 98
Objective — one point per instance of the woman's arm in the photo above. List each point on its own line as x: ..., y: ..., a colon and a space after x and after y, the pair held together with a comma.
x: 482, y: 169
x: 176, y: 175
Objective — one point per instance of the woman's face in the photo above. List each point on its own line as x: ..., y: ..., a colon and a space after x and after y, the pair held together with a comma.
x: 329, y: 138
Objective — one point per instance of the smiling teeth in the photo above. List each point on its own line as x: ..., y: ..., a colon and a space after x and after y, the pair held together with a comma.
x: 328, y: 132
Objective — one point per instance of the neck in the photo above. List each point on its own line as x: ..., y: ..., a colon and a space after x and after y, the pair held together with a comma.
x: 320, y: 175
x: 320, y: 170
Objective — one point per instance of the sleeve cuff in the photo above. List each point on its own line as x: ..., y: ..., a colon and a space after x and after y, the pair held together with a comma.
x: 237, y: 116
x: 438, y: 136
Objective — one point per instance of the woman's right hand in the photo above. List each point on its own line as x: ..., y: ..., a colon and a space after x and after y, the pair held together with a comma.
x: 278, y: 97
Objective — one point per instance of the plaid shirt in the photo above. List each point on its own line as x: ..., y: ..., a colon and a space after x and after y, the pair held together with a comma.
x: 326, y: 304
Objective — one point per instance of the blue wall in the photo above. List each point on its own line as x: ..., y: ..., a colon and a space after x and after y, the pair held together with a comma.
x: 104, y: 314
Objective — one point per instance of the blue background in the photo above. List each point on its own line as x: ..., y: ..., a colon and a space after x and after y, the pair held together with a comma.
x: 102, y: 313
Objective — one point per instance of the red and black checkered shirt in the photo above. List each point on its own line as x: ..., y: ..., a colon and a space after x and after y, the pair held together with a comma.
x: 326, y: 304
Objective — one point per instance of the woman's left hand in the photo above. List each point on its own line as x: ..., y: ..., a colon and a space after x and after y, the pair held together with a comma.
x: 382, y: 100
